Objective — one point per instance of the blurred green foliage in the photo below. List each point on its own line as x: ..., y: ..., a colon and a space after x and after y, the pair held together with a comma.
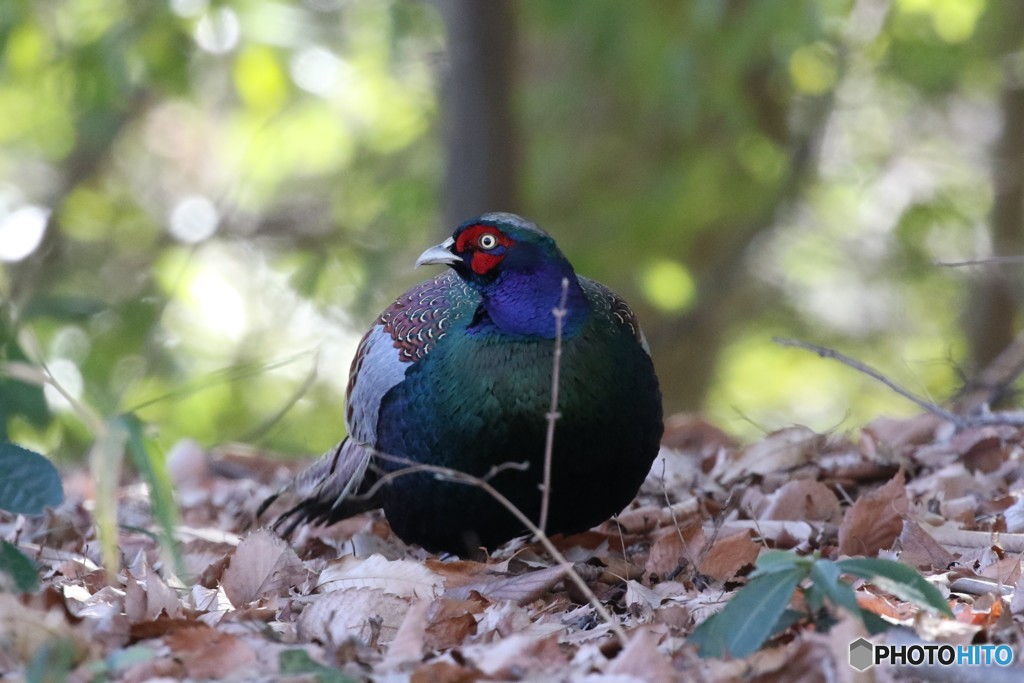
x: 203, y: 203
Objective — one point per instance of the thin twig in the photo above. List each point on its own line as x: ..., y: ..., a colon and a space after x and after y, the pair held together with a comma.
x: 825, y: 352
x: 447, y: 473
x: 988, y: 261
x: 549, y: 440
x: 595, y: 602
x: 413, y: 467
x: 1012, y: 418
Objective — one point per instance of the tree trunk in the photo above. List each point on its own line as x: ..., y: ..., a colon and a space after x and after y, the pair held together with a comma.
x: 481, y: 146
x: 993, y: 302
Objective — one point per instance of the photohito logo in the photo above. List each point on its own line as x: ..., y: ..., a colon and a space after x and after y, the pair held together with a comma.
x: 865, y: 654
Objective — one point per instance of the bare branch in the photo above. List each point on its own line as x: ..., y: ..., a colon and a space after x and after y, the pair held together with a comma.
x: 987, y: 261
x: 482, y: 483
x: 824, y: 352
x: 549, y: 440
x: 1013, y: 418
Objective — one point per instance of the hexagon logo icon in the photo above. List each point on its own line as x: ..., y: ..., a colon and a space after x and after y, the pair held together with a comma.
x: 861, y: 654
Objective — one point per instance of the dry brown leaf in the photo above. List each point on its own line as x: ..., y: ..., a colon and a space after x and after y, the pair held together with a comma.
x: 1014, y: 515
x: 939, y: 629
x: 26, y: 628
x: 778, y: 452
x: 642, y: 520
x: 208, y: 653
x: 875, y: 520
x: 368, y: 614
x: 693, y: 433
x: 728, y: 556
x: 145, y: 598
x: 403, y: 578
x: 521, y: 589
x: 1017, y: 601
x: 460, y: 572
x: 641, y: 659
x: 919, y: 549
x: 806, y: 660
x: 451, y: 622
x: 517, y: 656
x: 262, y: 564
x: 444, y: 671
x: 503, y: 618
x: 782, y: 533
x: 674, y: 549
x: 408, y: 643
x: 803, y: 499
x: 641, y: 599
x: 1006, y: 570
x: 887, y: 436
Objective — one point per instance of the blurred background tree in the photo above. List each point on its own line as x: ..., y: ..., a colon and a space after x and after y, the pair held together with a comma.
x: 203, y: 203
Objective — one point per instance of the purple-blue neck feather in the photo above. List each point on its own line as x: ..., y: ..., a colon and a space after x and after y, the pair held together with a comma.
x: 523, y: 301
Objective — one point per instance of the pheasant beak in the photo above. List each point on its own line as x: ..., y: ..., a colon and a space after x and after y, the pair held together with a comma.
x: 439, y: 255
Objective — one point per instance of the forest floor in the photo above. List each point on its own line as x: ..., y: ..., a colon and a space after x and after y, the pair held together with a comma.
x: 352, y: 602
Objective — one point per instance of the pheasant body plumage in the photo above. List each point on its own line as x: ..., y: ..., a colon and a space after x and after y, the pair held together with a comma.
x: 457, y: 373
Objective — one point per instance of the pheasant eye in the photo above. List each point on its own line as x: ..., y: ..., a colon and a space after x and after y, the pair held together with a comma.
x: 487, y: 241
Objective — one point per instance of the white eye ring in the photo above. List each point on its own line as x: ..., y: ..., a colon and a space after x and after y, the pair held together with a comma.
x: 487, y: 241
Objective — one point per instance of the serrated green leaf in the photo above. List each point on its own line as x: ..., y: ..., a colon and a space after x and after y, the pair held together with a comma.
x: 825, y: 575
x: 898, y: 579
x: 19, y: 567
x: 29, y: 483
x: 746, y: 622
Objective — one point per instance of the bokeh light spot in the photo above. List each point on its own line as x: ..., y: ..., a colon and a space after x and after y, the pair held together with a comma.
x: 316, y: 69
x: 668, y: 285
x: 21, y: 232
x: 813, y: 68
x: 193, y: 219
x: 218, y: 31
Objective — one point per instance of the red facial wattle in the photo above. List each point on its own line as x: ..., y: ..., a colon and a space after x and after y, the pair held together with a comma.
x: 482, y: 261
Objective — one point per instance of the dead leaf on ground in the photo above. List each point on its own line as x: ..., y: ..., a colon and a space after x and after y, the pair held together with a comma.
x: 803, y: 499
x: 368, y: 614
x: 403, y: 578
x: 641, y: 659
x: 729, y: 555
x: 208, y: 653
x: 521, y: 589
x: 778, y: 452
x: 146, y: 597
x: 875, y: 520
x: 919, y: 549
x: 262, y: 564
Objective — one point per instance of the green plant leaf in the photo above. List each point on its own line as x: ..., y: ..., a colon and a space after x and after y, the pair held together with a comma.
x: 898, y: 579
x: 776, y: 561
x: 29, y: 482
x: 746, y: 622
x: 299, y: 662
x: 825, y: 575
x: 153, y: 471
x: 53, y: 661
x: 19, y: 567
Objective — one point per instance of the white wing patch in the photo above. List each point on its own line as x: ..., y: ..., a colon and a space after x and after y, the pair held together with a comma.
x: 376, y: 371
